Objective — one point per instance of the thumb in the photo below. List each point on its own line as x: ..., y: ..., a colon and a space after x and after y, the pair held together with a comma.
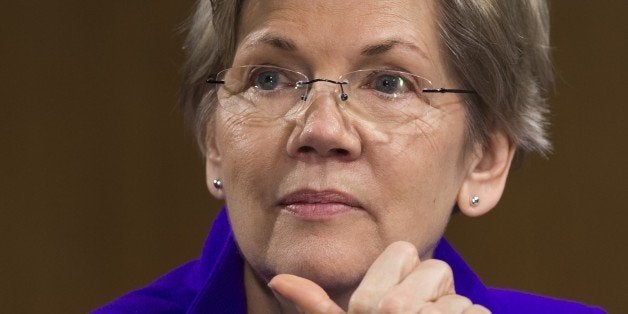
x: 305, y: 294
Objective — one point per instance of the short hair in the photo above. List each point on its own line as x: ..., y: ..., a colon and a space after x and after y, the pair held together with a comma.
x: 498, y: 48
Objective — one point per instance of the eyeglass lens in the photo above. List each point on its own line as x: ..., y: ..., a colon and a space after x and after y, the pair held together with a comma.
x: 376, y: 95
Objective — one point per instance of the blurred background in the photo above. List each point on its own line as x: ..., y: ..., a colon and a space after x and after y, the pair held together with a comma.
x: 102, y: 190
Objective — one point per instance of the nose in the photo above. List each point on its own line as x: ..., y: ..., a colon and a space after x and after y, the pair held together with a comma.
x: 324, y: 130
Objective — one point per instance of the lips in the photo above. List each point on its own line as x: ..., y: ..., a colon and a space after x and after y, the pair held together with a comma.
x: 318, y: 205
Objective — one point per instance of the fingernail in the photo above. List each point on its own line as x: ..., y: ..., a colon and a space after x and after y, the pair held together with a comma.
x: 270, y: 285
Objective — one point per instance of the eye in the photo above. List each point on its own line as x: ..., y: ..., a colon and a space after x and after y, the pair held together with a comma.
x: 267, y: 80
x: 390, y: 84
x: 387, y: 85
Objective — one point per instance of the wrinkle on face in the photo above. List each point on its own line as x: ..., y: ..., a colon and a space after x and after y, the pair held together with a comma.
x: 405, y: 174
x: 261, y: 20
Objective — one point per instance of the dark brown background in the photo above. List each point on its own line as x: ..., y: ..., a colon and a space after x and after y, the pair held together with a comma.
x: 102, y: 190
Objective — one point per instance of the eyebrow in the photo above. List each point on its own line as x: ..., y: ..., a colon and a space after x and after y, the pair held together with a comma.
x: 279, y: 42
x: 385, y: 46
x: 369, y: 50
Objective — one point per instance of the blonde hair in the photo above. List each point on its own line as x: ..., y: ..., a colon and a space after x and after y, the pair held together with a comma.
x: 499, y: 48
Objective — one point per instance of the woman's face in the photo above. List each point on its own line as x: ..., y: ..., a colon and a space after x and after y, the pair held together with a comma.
x: 322, y: 192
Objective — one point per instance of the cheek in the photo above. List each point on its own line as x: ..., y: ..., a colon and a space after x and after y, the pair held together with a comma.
x: 421, y: 158
x: 250, y: 150
x: 419, y: 174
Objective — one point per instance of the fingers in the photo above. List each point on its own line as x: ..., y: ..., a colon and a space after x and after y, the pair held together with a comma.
x: 305, y: 294
x: 398, y: 282
x: 395, y: 283
x: 476, y: 309
x: 430, y: 282
x: 427, y: 282
x: 453, y: 304
x: 390, y: 268
x: 447, y: 304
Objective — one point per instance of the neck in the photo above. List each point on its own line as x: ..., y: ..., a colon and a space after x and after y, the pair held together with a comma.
x: 260, y: 299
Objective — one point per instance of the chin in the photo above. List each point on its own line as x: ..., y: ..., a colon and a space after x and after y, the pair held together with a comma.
x: 333, y: 266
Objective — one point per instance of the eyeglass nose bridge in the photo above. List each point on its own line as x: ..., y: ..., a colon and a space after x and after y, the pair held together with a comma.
x: 343, y: 95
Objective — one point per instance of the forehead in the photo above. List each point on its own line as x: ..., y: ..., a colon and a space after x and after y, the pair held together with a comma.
x: 332, y: 28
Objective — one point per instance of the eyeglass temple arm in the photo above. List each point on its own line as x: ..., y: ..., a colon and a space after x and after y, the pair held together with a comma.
x: 211, y: 80
x: 448, y: 90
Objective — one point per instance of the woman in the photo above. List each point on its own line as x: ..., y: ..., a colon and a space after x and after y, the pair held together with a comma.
x: 342, y: 136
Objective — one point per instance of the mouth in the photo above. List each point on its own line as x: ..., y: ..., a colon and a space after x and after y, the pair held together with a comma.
x: 318, y: 205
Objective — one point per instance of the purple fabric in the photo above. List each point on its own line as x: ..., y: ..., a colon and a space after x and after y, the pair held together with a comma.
x: 214, y: 284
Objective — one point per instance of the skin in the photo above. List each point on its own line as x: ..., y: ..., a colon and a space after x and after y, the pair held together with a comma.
x: 405, y: 178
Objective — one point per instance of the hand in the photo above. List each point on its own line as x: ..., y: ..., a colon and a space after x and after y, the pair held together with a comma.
x: 397, y: 282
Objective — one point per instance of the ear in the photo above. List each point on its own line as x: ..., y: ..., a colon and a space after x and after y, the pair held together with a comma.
x: 486, y: 176
x: 213, y: 161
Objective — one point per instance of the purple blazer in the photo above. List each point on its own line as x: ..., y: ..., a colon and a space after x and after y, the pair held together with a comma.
x: 215, y: 284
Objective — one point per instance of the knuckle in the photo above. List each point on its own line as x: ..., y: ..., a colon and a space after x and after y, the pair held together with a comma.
x: 443, y: 275
x: 431, y: 309
x: 405, y: 248
x: 361, y: 301
x: 476, y: 309
x: 396, y: 303
x: 441, y: 269
x: 464, y: 301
